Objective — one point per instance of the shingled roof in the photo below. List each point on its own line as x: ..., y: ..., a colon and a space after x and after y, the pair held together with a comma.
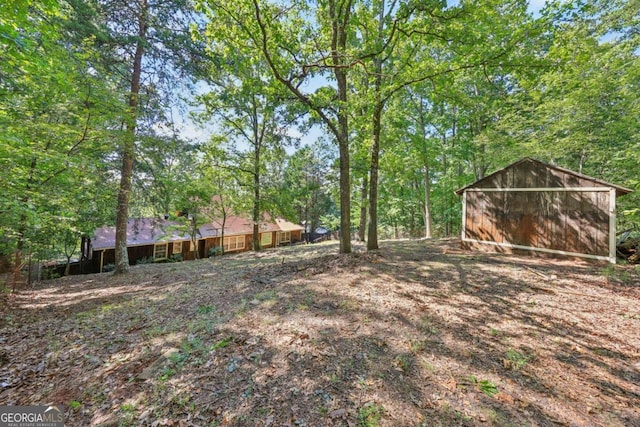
x: 147, y: 231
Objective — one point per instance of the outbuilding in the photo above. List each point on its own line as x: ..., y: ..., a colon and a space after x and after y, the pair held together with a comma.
x: 533, y: 206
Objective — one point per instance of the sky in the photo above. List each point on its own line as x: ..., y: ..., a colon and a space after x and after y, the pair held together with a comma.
x: 535, y: 6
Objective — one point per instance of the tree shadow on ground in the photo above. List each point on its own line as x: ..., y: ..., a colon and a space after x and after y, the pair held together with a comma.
x: 411, y: 335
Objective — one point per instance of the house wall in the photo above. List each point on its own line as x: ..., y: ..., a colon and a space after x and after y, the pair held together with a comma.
x: 208, y: 244
x: 570, y: 221
x: 204, y: 245
x: 188, y: 255
x: 93, y: 265
x: 135, y: 254
x: 75, y: 268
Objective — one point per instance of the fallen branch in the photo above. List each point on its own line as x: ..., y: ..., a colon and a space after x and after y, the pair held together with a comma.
x: 538, y: 273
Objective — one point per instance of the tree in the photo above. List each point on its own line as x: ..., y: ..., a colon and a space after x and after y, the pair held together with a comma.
x: 582, y: 112
x: 128, y: 141
x: 225, y: 192
x: 147, y: 45
x: 166, y: 166
x: 304, y: 195
x: 400, y: 39
x: 251, y: 111
x: 297, y: 49
x: 52, y: 110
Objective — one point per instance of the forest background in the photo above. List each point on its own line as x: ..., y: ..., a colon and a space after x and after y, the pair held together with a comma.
x: 354, y: 115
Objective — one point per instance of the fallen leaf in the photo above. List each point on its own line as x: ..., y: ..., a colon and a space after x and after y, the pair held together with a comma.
x: 338, y: 413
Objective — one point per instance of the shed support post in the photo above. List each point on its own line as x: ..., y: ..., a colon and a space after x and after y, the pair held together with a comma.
x: 464, y: 215
x: 612, y: 226
x: 101, y: 260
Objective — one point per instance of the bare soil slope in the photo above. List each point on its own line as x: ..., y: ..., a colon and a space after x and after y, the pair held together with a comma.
x: 417, y: 334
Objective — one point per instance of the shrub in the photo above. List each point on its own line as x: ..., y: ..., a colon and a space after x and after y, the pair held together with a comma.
x: 50, y: 273
x: 145, y: 260
x: 215, y: 251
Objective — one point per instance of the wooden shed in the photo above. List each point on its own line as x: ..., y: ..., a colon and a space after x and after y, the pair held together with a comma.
x: 533, y: 206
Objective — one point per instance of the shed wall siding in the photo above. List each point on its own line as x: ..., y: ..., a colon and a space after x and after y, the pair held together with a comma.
x: 531, y: 175
x: 576, y: 222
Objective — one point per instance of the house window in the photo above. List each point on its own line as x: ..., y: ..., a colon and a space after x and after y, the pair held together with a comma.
x: 265, y: 239
x: 160, y: 250
x: 233, y: 243
x: 177, y: 247
x: 285, y: 237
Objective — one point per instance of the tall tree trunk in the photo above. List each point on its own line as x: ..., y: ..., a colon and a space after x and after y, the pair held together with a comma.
x: 428, y: 225
x: 17, y: 261
x: 307, y: 228
x: 339, y: 15
x: 194, y: 234
x: 345, y: 186
x: 257, y: 147
x: 128, y: 149
x: 362, y: 230
x: 340, y: 18
x: 22, y: 227
x: 427, y: 202
x: 224, y: 222
x: 372, y: 238
x: 256, y: 210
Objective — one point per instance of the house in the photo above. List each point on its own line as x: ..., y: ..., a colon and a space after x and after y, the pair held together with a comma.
x: 151, y: 239
x: 533, y: 206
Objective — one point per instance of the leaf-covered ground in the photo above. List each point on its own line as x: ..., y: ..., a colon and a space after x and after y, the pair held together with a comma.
x: 417, y: 334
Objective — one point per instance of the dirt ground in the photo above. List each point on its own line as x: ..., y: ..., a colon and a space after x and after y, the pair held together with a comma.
x: 417, y: 334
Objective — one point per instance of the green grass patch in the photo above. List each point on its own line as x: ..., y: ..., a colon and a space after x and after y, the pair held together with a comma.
x: 267, y: 295
x: 206, y: 309
x: 166, y: 373
x: 418, y: 346
x: 427, y: 326
x: 515, y: 360
x: 222, y: 343
x: 369, y: 415
x: 403, y: 362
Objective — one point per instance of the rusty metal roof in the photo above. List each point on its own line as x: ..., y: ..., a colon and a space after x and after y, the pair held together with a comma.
x: 147, y: 231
